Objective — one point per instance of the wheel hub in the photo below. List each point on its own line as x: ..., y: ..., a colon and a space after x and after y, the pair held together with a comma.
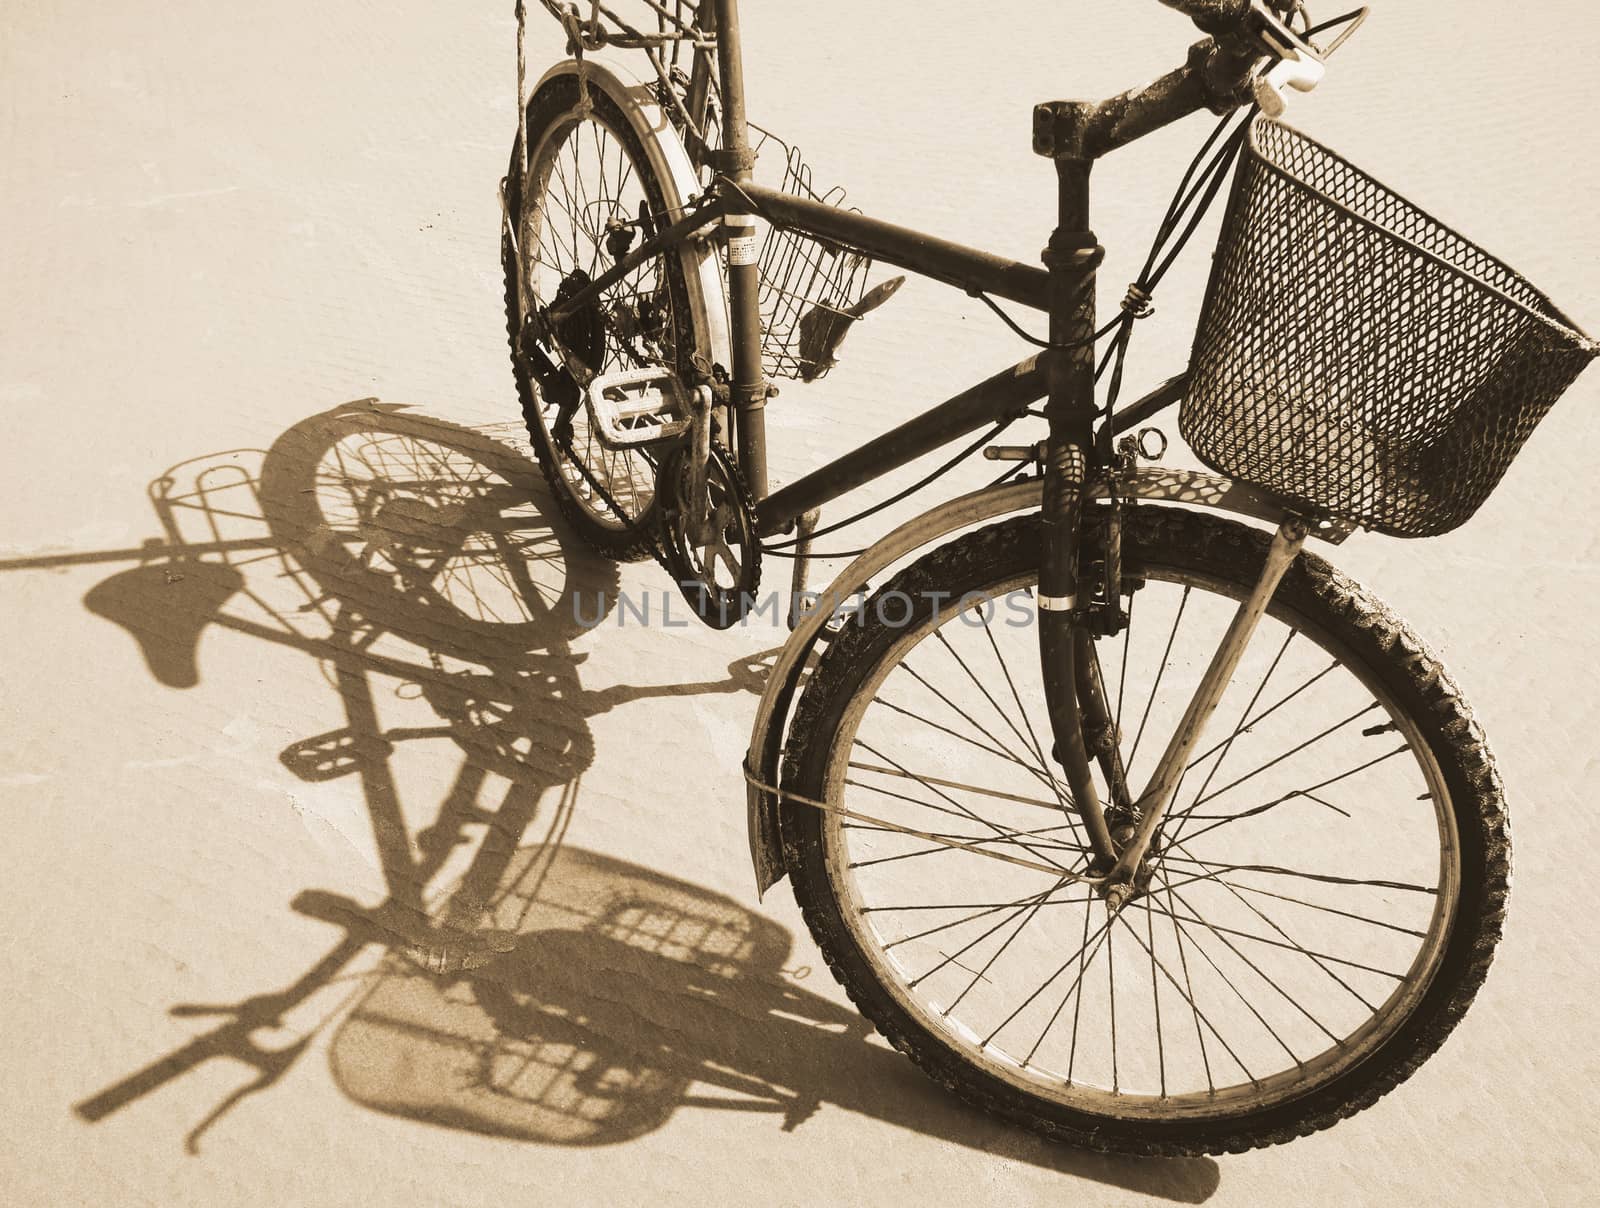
x: 1119, y: 893
x: 580, y: 338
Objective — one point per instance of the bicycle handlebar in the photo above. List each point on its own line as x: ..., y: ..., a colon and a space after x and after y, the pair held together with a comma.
x: 1211, y: 79
x: 1221, y: 74
x: 1212, y: 16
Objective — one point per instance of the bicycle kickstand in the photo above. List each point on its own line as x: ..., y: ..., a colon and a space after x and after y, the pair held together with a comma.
x: 804, y: 528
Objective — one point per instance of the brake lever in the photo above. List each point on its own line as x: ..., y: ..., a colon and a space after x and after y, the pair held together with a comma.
x: 1300, y: 74
x: 1299, y: 66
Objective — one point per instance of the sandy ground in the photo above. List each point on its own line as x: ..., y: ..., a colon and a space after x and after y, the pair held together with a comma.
x: 224, y: 224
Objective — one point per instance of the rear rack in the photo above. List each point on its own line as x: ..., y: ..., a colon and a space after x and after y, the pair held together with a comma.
x: 810, y: 288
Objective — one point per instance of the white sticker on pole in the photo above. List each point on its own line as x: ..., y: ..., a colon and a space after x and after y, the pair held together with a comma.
x: 742, y: 244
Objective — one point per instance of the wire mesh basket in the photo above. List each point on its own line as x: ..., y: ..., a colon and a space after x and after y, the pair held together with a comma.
x: 1357, y: 356
x: 808, y: 285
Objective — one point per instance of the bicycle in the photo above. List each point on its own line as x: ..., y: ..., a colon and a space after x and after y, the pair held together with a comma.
x: 966, y: 837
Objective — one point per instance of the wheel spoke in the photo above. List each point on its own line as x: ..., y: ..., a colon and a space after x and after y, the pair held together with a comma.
x: 1032, y: 747
x: 997, y: 751
x: 1102, y: 930
x: 1220, y: 931
x: 1360, y: 918
x: 1266, y: 713
x: 963, y: 809
x: 1245, y: 720
x: 1041, y: 773
x: 1155, y: 687
x: 1214, y: 869
x: 1199, y: 1014
x: 959, y: 784
x: 1308, y: 792
x: 1274, y: 762
x: 966, y: 843
x: 883, y: 792
x: 1269, y: 955
x: 998, y: 953
x: 1155, y: 994
x: 1315, y: 958
x: 1187, y: 991
x: 951, y: 958
x: 982, y: 910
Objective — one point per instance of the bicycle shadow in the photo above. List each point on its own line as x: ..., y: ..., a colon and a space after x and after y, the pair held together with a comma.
x: 529, y: 989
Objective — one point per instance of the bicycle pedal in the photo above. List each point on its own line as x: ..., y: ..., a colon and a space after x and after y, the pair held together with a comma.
x: 638, y: 407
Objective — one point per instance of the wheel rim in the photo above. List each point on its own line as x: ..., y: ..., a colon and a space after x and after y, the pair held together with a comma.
x: 581, y: 176
x: 1246, y: 978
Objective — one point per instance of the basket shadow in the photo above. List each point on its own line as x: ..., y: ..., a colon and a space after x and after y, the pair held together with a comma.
x: 630, y: 996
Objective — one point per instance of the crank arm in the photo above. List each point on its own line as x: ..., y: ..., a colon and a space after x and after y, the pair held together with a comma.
x: 698, y: 520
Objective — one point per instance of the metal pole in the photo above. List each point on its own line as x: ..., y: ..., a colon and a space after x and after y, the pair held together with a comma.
x: 1071, y: 259
x: 749, y: 387
x: 802, y: 562
x: 1152, y: 807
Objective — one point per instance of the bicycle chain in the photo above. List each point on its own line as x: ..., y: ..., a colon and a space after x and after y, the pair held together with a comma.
x: 720, y: 458
x: 648, y: 539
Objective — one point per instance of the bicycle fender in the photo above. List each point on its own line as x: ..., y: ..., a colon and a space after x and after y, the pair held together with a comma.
x: 670, y: 161
x: 764, y: 756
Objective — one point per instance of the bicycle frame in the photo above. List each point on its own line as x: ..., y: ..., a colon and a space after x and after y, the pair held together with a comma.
x: 1005, y: 395
x: 1077, y: 456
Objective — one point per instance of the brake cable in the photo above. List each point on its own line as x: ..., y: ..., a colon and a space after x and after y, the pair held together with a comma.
x: 1136, y: 304
x: 893, y: 499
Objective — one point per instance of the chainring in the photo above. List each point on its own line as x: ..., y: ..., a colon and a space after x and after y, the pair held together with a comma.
x: 719, y: 575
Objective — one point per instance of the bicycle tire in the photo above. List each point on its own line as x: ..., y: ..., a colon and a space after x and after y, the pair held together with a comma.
x: 689, y: 277
x: 1341, y: 617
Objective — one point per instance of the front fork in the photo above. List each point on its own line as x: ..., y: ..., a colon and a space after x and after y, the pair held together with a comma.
x: 1071, y: 258
x: 1120, y: 834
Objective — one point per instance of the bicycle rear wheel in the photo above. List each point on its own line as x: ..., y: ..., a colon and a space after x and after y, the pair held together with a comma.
x: 1326, y: 891
x: 602, y: 177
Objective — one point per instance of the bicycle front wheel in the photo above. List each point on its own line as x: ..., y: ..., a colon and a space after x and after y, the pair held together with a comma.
x: 604, y: 173
x: 1325, y: 892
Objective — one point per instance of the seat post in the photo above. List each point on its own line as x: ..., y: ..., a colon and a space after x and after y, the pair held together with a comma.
x: 749, y: 393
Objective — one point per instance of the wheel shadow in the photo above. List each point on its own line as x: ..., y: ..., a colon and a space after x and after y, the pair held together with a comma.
x: 507, y: 983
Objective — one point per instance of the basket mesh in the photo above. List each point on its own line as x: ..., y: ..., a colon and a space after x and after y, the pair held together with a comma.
x: 800, y: 274
x: 1359, y: 357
